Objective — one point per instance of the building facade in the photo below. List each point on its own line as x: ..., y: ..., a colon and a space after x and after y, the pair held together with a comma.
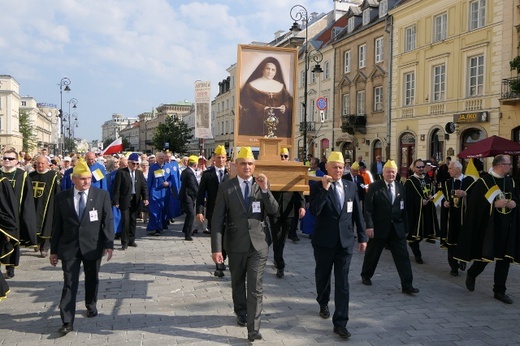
x: 10, y: 135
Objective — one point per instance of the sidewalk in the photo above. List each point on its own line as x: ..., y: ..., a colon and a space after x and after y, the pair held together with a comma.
x: 164, y: 293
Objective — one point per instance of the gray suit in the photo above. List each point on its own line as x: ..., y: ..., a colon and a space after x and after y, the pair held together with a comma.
x: 246, y: 240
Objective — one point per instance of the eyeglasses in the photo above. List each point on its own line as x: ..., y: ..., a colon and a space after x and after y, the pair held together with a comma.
x: 9, y: 158
x: 503, y: 164
x: 419, y: 167
x: 285, y: 156
x: 132, y: 163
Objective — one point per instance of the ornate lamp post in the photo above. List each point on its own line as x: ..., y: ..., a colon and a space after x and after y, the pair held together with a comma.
x: 74, y: 102
x: 64, y: 86
x: 300, y: 15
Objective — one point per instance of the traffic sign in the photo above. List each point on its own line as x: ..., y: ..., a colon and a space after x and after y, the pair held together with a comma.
x: 321, y: 103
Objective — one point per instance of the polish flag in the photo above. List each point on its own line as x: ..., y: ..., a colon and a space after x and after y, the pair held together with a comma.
x: 114, y: 147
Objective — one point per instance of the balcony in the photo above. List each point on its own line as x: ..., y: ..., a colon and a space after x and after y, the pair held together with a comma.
x: 510, y: 93
x: 352, y: 123
x: 311, y: 126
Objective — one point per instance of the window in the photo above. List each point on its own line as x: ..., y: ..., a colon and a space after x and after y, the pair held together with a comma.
x: 302, y: 79
x: 476, y: 75
x: 477, y: 14
x: 346, y: 104
x: 312, y: 104
x: 327, y: 70
x: 302, y: 112
x: 362, y: 55
x: 366, y: 16
x: 346, y: 61
x: 350, y: 26
x: 439, y: 83
x: 383, y: 8
x: 409, y: 34
x: 378, y: 50
x: 360, y: 103
x: 440, y: 23
x: 24, y: 103
x: 313, y: 77
x: 378, y: 99
x: 409, y: 89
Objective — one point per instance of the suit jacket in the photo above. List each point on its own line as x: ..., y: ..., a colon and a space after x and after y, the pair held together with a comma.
x: 71, y: 236
x: 359, y: 184
x: 236, y: 223
x: 208, y: 188
x: 333, y: 225
x: 381, y: 213
x: 122, y: 188
x: 189, y: 187
x: 373, y: 169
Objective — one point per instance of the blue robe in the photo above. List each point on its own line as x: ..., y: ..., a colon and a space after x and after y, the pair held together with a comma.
x: 308, y: 220
x: 66, y: 180
x: 173, y: 203
x: 118, y: 224
x: 159, y: 197
x: 102, y: 183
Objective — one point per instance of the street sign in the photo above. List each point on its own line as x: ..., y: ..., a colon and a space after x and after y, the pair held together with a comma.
x: 321, y: 103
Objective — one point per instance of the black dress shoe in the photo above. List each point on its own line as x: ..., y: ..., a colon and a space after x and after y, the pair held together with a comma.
x: 419, y: 260
x: 66, y: 328
x: 188, y: 237
x: 132, y: 244
x: 294, y: 238
x: 124, y: 247
x: 454, y: 272
x: 242, y: 320
x: 206, y: 231
x: 470, y: 282
x: 410, y: 290
x: 342, y: 331
x: 218, y: 273
x: 431, y: 241
x: 92, y: 313
x: 252, y: 336
x: 280, y: 273
x: 324, y: 311
x: 366, y: 281
x: 9, y: 272
x: 504, y: 298
x: 195, y: 231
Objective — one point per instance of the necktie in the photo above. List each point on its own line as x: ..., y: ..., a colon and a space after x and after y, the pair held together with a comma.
x: 246, y: 193
x: 339, y: 195
x: 391, y: 193
x: 220, y: 175
x: 132, y: 176
x: 81, y: 204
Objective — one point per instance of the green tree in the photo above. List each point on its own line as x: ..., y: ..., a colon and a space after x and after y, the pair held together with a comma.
x: 28, y: 132
x: 175, y: 132
x: 70, y: 144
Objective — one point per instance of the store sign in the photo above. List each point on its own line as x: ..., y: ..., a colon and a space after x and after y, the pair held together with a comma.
x: 476, y: 117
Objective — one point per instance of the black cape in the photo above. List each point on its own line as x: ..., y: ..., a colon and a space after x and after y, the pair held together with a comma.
x: 45, y: 187
x: 422, y: 219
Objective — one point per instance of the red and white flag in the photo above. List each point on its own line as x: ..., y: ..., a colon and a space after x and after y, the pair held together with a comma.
x: 114, y: 147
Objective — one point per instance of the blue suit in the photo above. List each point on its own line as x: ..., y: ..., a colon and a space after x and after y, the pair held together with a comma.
x: 118, y: 225
x: 101, y: 183
x: 66, y: 180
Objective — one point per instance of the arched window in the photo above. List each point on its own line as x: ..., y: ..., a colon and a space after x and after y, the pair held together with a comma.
x: 407, y: 148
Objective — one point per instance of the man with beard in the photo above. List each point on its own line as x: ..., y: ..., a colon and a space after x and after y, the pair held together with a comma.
x: 45, y: 187
x: 25, y: 205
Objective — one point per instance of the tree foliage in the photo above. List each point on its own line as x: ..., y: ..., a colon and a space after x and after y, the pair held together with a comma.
x: 28, y: 132
x: 175, y: 133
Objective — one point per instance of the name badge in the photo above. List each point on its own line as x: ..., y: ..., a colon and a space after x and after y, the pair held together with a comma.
x: 402, y: 205
x: 159, y: 173
x: 350, y: 206
x: 256, y: 207
x: 93, y: 215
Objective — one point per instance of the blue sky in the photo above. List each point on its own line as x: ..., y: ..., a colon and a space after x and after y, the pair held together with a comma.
x: 127, y: 56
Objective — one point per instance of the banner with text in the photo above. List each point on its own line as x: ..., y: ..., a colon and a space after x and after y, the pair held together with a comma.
x: 203, y: 110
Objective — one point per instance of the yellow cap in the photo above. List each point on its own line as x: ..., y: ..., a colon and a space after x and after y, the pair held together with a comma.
x: 245, y: 153
x: 355, y: 165
x: 390, y: 164
x: 471, y: 170
x: 335, y: 156
x: 220, y: 150
x: 193, y: 159
x: 81, y: 168
x: 284, y: 151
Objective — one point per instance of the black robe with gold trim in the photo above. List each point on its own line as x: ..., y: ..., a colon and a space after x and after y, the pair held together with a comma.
x: 45, y: 187
x: 9, y: 235
x: 422, y: 219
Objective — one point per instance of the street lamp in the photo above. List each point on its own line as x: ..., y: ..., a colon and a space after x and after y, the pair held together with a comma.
x: 65, y: 82
x: 299, y: 14
x: 74, y: 102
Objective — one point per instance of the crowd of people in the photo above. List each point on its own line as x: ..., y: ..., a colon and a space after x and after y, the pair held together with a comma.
x: 73, y: 208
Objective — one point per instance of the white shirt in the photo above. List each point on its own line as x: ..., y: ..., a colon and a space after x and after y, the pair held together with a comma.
x: 76, y: 199
x: 243, y: 186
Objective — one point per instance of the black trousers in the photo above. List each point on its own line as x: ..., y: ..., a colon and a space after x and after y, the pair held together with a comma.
x: 501, y: 272
x: 416, y: 250
x: 325, y: 259
x: 188, y: 208
x: 280, y: 228
x: 71, y: 282
x: 129, y: 220
x: 399, y: 254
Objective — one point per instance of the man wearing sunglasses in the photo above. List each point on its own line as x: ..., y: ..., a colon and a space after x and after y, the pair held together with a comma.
x: 23, y: 190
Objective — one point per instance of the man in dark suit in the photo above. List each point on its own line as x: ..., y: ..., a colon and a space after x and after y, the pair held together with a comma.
x: 335, y: 204
x: 207, y: 194
x: 83, y: 231
x: 358, y: 180
x: 128, y: 191
x: 386, y: 222
x: 376, y: 168
x: 239, y: 218
x: 188, y: 195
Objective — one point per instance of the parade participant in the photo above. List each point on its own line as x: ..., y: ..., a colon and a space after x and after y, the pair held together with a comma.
x: 422, y: 216
x: 335, y: 204
x: 490, y: 231
x: 308, y: 219
x: 188, y: 195
x: 455, y: 190
x: 239, y: 226
x: 173, y: 203
x: 386, y: 222
x: 66, y: 179
x: 281, y: 221
x: 159, y: 188
x: 358, y: 180
x: 45, y: 187
x: 112, y: 168
x: 98, y: 171
x: 207, y: 194
x: 82, y: 232
x: 9, y: 235
x: 376, y: 168
x: 23, y: 191
x: 144, y: 209
x: 129, y: 189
